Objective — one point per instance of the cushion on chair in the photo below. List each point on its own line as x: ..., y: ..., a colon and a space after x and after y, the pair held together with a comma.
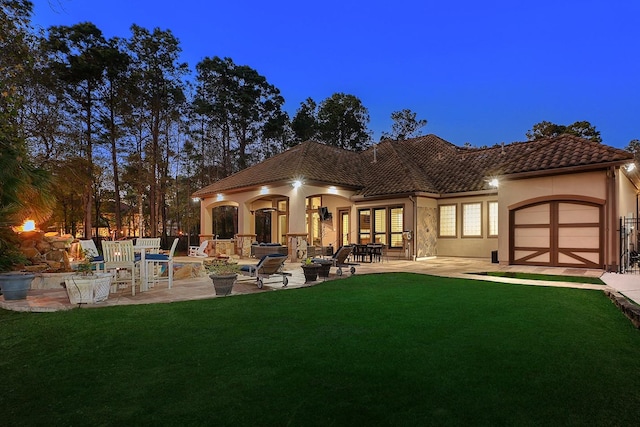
x: 157, y: 257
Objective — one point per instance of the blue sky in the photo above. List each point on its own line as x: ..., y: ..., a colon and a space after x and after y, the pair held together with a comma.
x: 479, y: 72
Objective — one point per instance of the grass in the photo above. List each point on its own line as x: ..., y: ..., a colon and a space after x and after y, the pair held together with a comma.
x: 547, y: 277
x: 388, y: 349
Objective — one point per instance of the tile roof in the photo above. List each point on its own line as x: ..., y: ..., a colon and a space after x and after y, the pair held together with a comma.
x: 312, y: 161
x: 425, y: 164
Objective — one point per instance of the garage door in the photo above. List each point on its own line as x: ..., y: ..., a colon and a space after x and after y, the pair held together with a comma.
x: 558, y: 234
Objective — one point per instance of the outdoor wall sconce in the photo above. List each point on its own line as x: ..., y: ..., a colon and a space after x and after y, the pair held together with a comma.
x: 297, y: 183
x: 630, y: 167
x: 195, y: 199
x: 494, y: 182
x: 333, y: 190
x: 264, y: 190
x: 219, y: 197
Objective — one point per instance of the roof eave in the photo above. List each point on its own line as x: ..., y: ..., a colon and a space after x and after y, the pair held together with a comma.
x: 279, y: 183
x: 565, y: 170
x: 487, y: 192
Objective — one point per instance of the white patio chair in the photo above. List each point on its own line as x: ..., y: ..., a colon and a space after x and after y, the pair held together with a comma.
x: 119, y: 257
x: 152, y: 244
x: 89, y: 249
x: 155, y: 261
x: 198, y: 251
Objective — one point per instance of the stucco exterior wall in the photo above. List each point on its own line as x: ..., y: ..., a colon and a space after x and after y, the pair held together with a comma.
x: 476, y: 247
x: 628, y: 197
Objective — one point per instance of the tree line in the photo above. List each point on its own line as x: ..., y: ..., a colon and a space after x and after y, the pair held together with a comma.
x: 122, y: 127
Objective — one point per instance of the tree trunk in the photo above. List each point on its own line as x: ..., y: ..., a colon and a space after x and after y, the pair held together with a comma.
x: 87, y: 198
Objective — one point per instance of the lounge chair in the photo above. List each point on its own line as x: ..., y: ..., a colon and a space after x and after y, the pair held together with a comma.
x: 269, y: 265
x: 339, y: 259
x: 199, y: 251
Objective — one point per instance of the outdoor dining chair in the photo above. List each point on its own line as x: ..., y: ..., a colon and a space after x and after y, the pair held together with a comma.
x: 150, y: 244
x: 119, y: 257
x: 156, y: 264
x: 90, y: 251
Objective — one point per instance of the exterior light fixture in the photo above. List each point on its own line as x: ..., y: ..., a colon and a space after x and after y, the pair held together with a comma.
x: 333, y: 190
x: 264, y: 190
x: 297, y: 183
x: 630, y: 167
x: 494, y: 182
x: 195, y: 199
x: 219, y: 197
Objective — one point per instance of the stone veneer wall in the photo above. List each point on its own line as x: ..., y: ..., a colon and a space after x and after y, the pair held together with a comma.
x: 427, y: 239
x: 297, y: 244
x: 243, y: 244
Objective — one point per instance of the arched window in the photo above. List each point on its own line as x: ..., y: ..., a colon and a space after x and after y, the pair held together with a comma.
x: 225, y: 221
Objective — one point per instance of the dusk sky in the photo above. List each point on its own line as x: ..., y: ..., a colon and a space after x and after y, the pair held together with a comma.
x: 479, y: 72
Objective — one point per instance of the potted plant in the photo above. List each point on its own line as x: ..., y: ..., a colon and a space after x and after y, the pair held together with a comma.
x: 87, y: 286
x: 14, y: 284
x: 310, y: 270
x: 223, y: 275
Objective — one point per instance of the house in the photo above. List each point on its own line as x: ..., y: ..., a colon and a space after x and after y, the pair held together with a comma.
x: 551, y: 202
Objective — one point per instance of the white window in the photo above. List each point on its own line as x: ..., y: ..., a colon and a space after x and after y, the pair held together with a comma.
x: 396, y: 226
x: 447, y: 221
x: 493, y: 218
x: 472, y: 219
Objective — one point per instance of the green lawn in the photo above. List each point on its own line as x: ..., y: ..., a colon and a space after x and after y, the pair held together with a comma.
x: 388, y: 349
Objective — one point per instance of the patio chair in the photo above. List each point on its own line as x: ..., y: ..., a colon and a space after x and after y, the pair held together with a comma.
x: 269, y: 265
x: 339, y: 260
x: 199, y: 251
x: 119, y: 256
x: 90, y: 250
x: 151, y: 244
x: 155, y: 268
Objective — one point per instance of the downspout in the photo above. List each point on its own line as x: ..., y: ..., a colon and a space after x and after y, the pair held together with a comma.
x: 612, y: 255
x: 415, y: 229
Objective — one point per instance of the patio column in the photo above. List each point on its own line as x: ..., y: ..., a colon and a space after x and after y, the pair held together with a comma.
x: 245, y: 219
x: 297, y: 211
x: 298, y: 235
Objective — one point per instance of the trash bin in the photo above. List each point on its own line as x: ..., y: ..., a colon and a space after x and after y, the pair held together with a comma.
x: 494, y: 257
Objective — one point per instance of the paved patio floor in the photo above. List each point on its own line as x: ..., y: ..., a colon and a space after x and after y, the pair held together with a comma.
x: 47, y: 300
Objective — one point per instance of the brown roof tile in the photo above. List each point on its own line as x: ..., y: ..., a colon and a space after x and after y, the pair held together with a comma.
x: 424, y: 164
x: 310, y: 160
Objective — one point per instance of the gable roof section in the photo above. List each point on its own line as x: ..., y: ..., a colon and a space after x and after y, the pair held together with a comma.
x: 399, y: 167
x: 312, y: 161
x: 426, y: 164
